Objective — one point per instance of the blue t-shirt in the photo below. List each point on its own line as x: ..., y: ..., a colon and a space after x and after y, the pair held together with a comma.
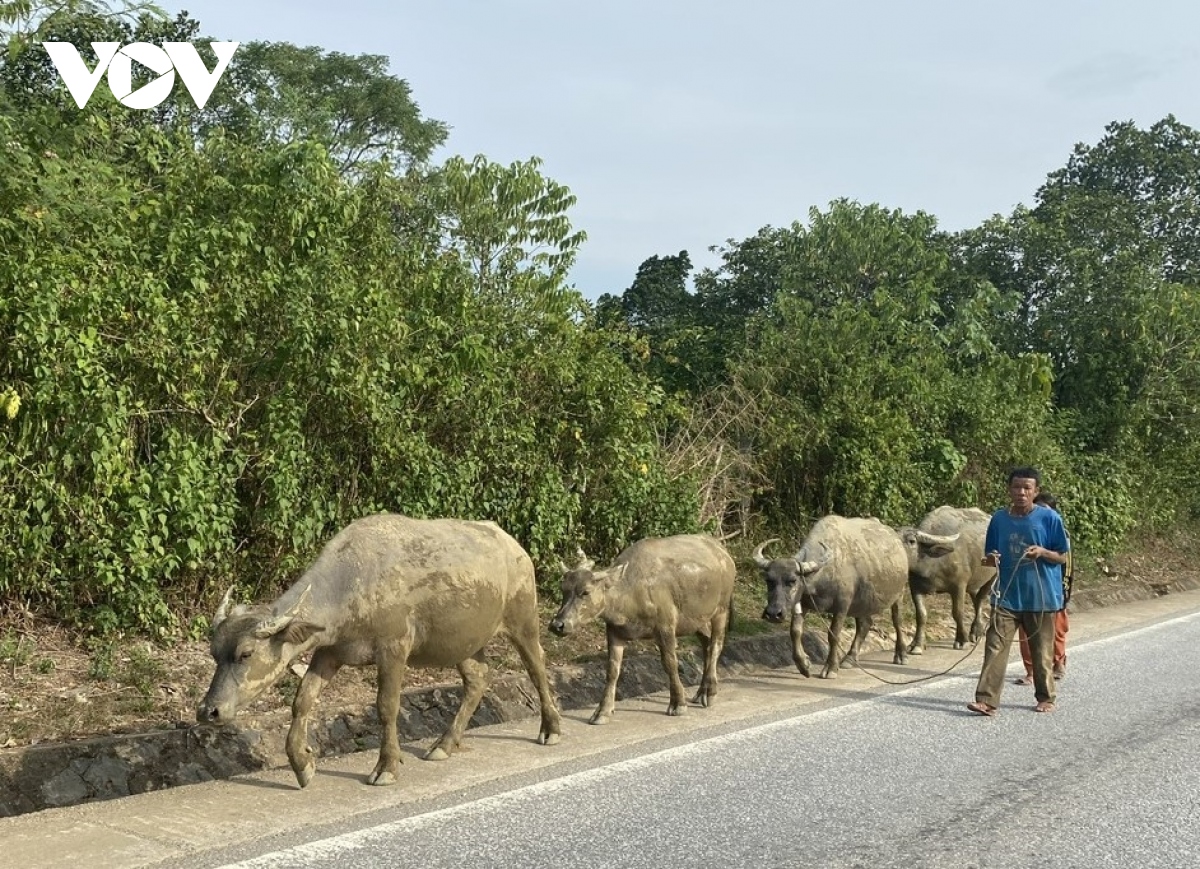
x: 1026, y: 585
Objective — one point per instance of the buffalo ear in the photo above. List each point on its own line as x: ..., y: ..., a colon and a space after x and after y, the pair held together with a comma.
x: 610, y: 577
x: 297, y: 631
x: 269, y: 627
x: 286, y: 629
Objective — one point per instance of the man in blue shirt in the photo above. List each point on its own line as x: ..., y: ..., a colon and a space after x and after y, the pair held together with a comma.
x: 1029, y: 545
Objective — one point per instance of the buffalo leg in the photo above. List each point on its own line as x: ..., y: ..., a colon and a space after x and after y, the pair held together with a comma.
x: 798, y: 654
x: 898, y: 656
x: 616, y: 652
x: 711, y: 648
x: 474, y: 672
x: 836, y: 625
x: 534, y: 659
x: 702, y: 690
x: 921, y: 615
x: 977, y: 626
x: 324, y: 667
x: 392, y: 663
x: 958, y: 601
x: 667, y: 645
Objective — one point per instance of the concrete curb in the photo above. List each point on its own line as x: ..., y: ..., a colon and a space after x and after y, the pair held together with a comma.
x: 54, y: 775
x: 102, y: 768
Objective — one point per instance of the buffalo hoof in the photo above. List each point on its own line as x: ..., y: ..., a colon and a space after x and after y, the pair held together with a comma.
x: 599, y: 718
x: 829, y: 674
x: 677, y: 709
x: 305, y: 774
x: 437, y: 753
x: 549, y: 738
x: 383, y: 775
x: 916, y: 650
x: 382, y: 779
x: 704, y: 700
x: 303, y: 765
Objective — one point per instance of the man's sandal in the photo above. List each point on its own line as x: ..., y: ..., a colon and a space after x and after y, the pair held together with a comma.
x: 981, y: 708
x: 1044, y: 706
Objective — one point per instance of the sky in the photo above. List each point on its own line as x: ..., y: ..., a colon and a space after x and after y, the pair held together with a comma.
x: 682, y: 125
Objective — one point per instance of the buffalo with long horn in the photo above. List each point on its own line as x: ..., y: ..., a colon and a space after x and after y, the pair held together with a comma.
x: 945, y: 552
x: 846, y: 568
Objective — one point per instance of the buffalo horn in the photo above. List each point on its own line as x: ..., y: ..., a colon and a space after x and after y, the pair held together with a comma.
x: 934, y: 539
x: 222, y: 608
x: 760, y: 559
x: 582, y: 561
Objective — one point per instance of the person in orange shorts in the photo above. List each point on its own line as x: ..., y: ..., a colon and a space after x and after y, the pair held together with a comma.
x: 1061, y: 622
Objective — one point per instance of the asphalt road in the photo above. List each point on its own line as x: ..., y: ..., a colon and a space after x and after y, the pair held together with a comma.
x: 784, y: 771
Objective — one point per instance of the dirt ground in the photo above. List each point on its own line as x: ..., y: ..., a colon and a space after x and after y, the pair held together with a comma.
x: 56, y: 686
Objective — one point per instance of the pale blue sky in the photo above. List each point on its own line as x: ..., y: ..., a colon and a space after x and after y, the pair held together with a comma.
x: 679, y: 125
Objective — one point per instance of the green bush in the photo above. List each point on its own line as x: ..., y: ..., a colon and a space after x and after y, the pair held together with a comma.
x: 226, y: 352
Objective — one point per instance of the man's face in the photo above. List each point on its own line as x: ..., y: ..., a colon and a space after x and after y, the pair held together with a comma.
x: 1022, y: 491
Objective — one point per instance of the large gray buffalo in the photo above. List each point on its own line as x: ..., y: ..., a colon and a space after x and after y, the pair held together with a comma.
x: 394, y: 592
x: 958, y: 573
x: 846, y: 567
x: 660, y: 587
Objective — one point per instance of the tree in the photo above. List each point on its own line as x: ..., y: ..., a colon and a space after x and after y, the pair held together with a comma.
x: 22, y: 20
x: 1104, y: 268
x: 271, y: 91
x: 750, y: 275
x: 869, y: 397
x: 225, y: 350
x: 659, y: 308
x: 658, y: 300
x: 350, y: 104
x: 29, y: 82
x: 1110, y: 234
x: 509, y: 224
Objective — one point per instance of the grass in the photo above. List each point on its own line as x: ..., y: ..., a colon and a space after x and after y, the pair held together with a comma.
x: 15, y: 650
x: 142, y: 670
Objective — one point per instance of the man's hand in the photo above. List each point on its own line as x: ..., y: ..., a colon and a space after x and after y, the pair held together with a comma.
x: 1035, y: 552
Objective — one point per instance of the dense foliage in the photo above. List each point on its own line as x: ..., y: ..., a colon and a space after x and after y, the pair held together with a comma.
x: 228, y: 333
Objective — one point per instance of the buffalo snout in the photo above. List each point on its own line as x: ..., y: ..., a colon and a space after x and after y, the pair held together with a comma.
x: 207, y: 713
x: 772, y: 614
x: 215, y: 712
x: 557, y: 627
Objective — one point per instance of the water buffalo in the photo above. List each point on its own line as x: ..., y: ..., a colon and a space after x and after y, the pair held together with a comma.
x: 958, y: 573
x: 660, y: 587
x: 395, y: 592
x: 845, y: 567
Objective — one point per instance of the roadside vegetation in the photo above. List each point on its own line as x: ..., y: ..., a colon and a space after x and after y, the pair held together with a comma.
x: 227, y: 333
